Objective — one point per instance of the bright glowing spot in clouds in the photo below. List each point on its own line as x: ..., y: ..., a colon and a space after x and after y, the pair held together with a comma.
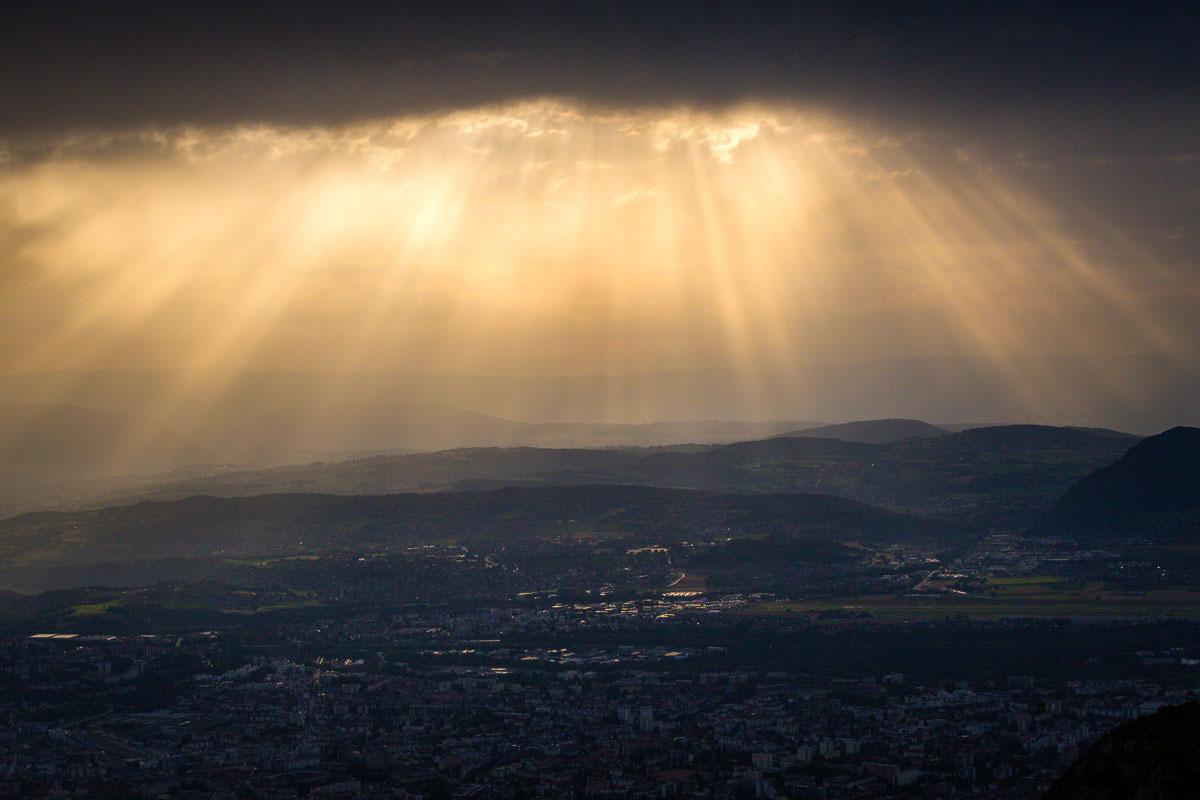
x: 545, y: 238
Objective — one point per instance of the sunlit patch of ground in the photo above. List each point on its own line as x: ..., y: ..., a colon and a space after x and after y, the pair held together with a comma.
x: 95, y: 609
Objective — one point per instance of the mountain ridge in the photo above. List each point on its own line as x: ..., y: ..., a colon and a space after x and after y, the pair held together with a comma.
x: 871, y: 431
x: 1154, y: 490
x: 1023, y: 469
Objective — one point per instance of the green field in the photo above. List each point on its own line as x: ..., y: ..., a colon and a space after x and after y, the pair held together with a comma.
x: 1026, y: 580
x: 94, y: 609
x: 1087, y: 604
x: 288, y: 605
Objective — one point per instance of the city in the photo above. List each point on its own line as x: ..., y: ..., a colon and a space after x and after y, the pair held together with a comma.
x: 415, y: 705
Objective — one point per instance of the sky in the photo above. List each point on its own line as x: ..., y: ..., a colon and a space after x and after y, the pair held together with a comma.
x: 602, y: 189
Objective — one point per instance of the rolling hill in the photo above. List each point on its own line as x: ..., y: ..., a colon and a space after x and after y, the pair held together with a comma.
x: 290, y: 434
x: 1153, y: 491
x: 873, y: 431
x: 34, y: 548
x: 1000, y: 475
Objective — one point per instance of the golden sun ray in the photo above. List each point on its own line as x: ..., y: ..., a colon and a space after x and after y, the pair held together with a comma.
x: 543, y: 238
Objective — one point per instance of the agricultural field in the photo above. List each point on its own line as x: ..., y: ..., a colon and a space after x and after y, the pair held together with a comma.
x: 1042, y: 597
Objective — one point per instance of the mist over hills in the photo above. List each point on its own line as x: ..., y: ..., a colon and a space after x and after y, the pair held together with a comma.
x: 1151, y: 392
x: 795, y: 490
x: 1009, y: 474
x: 293, y: 433
x: 85, y: 437
x: 74, y: 441
x: 874, y: 431
x: 64, y: 456
x: 887, y: 480
x: 43, y: 444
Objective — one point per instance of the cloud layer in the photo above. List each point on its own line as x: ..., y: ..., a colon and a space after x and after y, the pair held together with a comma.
x: 69, y: 65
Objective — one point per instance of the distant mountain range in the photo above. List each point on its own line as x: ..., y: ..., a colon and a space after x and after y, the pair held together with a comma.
x: 61, y: 456
x: 789, y: 493
x: 292, y: 433
x: 1152, y: 491
x: 69, y: 442
x: 998, y: 475
x: 874, y: 431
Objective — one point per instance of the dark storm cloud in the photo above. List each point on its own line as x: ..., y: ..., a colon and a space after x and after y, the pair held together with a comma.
x: 70, y: 65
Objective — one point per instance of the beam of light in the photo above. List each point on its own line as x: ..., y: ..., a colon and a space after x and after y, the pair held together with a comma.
x: 545, y: 238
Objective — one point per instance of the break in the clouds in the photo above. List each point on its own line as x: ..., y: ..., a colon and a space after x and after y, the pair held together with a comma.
x: 600, y: 188
x: 545, y: 236
x: 1107, y: 95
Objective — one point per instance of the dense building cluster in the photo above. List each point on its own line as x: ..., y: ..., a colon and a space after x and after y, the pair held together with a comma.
x: 472, y: 703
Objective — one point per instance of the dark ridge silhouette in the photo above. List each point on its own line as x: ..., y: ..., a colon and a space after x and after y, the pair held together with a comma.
x: 1153, y: 758
x: 1153, y: 490
x: 873, y: 431
x: 1007, y: 474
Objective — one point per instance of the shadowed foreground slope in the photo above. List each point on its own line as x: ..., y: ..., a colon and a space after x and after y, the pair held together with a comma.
x: 1153, y: 758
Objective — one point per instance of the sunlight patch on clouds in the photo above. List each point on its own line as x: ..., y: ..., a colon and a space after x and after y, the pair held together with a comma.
x: 544, y: 237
